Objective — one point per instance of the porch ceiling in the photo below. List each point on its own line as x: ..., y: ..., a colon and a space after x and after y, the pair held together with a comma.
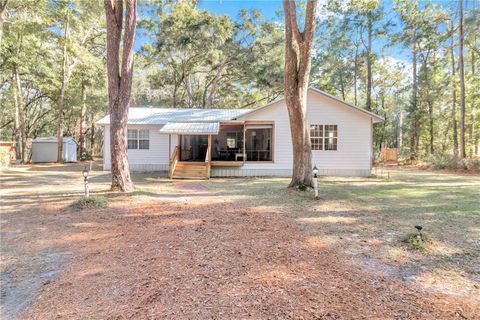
x: 194, y: 128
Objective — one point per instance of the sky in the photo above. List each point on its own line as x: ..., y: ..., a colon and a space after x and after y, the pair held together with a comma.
x: 270, y: 9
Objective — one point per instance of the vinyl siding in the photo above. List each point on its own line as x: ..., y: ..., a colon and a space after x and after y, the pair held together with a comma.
x: 156, y: 158
x: 282, y: 141
x: 352, y: 157
x: 354, y: 148
x: 47, y: 151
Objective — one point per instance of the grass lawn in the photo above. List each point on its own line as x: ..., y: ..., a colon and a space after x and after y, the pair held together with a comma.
x: 238, y: 248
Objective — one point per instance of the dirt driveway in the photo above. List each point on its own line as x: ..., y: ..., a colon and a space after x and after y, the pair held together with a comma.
x: 179, y: 251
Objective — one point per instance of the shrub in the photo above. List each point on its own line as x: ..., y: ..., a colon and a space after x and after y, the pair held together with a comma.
x: 4, y: 157
x: 302, y: 187
x: 90, y: 202
x: 417, y: 240
x: 472, y: 164
x: 85, y: 157
x: 440, y: 161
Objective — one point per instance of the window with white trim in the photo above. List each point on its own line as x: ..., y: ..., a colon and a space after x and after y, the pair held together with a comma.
x: 323, y: 137
x: 138, y: 139
x: 316, y: 136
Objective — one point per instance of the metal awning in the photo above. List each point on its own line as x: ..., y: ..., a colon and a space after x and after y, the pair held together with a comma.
x: 191, y: 128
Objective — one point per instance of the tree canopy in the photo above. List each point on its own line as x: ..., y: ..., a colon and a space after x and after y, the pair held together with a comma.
x: 400, y: 59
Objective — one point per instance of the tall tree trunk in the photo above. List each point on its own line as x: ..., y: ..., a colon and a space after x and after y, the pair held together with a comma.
x: 355, y: 76
x: 369, y: 63
x: 413, y: 107
x: 400, y: 132
x: 120, y: 85
x: 83, y: 124
x: 473, y: 132
x: 3, y: 13
x: 429, y: 104
x: 61, y: 97
x: 21, y: 118
x: 298, y: 47
x: 461, y: 71
x: 431, y: 130
x: 454, y: 100
x: 92, y: 137
x: 19, y: 122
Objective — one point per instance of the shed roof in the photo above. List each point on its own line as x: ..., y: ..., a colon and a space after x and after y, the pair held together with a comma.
x: 53, y: 139
x: 155, y: 116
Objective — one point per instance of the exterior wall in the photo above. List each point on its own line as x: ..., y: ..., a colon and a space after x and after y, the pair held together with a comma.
x: 354, y: 150
x: 352, y: 157
x: 47, y: 151
x: 154, y: 159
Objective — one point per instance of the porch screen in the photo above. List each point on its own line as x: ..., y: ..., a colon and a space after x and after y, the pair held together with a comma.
x: 258, y: 143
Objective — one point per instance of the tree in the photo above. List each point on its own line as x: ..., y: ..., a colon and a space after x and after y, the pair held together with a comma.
x: 367, y: 14
x: 200, y: 60
x: 454, y: 98
x: 298, y: 47
x: 83, y: 19
x: 3, y: 12
x: 461, y: 72
x: 419, y: 29
x: 120, y: 85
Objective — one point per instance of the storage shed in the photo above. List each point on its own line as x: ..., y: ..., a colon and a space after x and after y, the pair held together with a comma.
x: 45, y: 149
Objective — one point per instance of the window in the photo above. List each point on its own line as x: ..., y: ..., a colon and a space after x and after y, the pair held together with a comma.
x: 143, y: 139
x: 323, y: 137
x: 138, y: 139
x: 316, y: 136
x: 330, y: 137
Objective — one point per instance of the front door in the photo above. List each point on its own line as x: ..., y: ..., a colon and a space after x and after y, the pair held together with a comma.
x: 193, y: 147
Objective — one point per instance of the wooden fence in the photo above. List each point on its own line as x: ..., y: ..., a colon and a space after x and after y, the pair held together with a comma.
x: 7, y: 153
x: 389, y: 154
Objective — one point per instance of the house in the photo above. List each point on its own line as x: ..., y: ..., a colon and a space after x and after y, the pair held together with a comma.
x: 194, y: 143
x: 45, y: 149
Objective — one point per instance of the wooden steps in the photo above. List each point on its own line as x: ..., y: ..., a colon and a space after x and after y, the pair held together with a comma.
x: 190, y: 170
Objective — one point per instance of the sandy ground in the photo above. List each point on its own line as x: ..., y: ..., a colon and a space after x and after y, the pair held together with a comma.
x: 180, y: 251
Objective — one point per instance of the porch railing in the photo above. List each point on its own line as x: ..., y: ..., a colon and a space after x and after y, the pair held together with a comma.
x: 173, y: 161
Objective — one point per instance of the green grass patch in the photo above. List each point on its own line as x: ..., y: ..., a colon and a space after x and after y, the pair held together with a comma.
x: 90, y: 203
x: 417, y: 240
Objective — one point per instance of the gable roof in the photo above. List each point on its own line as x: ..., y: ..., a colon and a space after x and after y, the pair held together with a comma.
x: 371, y: 114
x: 160, y: 116
x: 53, y: 139
x: 376, y: 118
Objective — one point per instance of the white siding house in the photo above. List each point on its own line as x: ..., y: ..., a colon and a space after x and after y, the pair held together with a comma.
x: 255, y: 142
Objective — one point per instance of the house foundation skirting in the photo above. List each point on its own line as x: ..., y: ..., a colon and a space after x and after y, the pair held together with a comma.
x: 241, y: 172
x: 144, y: 167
